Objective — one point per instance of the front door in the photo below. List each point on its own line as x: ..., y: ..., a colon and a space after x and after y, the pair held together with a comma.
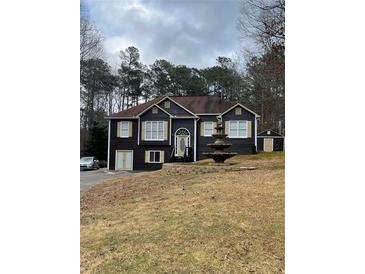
x: 124, y: 160
x: 181, y: 143
x: 268, y: 144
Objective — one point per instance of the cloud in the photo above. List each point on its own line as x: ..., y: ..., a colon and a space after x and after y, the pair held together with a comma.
x: 189, y: 32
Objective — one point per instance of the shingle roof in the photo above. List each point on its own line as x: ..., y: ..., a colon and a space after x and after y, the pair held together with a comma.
x: 203, y: 104
x: 134, y: 111
x: 196, y: 104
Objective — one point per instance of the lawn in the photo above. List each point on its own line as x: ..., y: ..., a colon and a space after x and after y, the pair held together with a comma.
x: 209, y: 223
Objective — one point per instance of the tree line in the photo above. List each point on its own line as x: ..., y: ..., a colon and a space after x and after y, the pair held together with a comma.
x: 260, y: 86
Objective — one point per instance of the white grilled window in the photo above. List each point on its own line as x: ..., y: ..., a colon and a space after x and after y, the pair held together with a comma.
x: 154, y: 130
x: 124, y: 129
x: 208, y: 128
x: 237, y: 129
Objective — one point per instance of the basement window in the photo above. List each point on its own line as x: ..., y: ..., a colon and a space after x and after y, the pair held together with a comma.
x: 155, y: 157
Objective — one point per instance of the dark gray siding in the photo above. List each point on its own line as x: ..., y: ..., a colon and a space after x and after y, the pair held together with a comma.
x: 131, y: 143
x: 241, y: 146
x: 244, y: 145
x: 160, y: 116
x: 260, y: 144
x: 117, y: 143
x: 202, y: 141
x: 174, y: 109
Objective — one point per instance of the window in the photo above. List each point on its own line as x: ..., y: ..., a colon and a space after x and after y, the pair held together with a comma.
x: 124, y: 129
x: 154, y: 110
x: 237, y: 129
x: 167, y: 104
x: 238, y: 111
x: 154, y: 130
x: 155, y: 156
x: 208, y: 128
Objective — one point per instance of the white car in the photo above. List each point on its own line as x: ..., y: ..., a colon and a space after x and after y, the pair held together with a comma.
x: 89, y: 163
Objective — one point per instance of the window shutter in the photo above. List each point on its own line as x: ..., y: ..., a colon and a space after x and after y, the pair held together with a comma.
x: 162, y: 156
x: 214, y: 127
x: 142, y: 130
x: 226, y: 127
x: 201, y: 128
x: 249, y: 129
x: 118, y: 128
x: 130, y: 129
x: 165, y: 126
x: 146, y: 156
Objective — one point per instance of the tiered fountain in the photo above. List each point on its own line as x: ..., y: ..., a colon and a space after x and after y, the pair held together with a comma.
x: 219, y: 156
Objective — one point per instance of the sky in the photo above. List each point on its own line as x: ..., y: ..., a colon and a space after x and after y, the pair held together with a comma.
x: 186, y: 32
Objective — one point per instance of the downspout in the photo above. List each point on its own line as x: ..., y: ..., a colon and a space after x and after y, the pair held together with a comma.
x: 195, y: 137
x: 107, y: 165
x: 255, y: 133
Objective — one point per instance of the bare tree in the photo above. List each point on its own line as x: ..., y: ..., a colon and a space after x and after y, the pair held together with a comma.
x: 263, y: 21
x: 90, y: 41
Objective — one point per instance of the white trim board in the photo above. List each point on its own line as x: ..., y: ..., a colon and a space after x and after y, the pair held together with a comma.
x: 151, y: 106
x: 270, y: 136
x: 255, y: 134
x: 242, y: 106
x: 121, y: 118
x: 108, y: 156
x: 183, y: 117
x: 195, y: 130
x: 167, y: 97
x: 270, y: 131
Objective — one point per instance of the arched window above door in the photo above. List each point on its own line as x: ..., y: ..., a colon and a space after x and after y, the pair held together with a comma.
x: 182, y: 132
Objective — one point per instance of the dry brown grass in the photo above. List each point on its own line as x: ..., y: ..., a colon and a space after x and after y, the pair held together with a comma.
x: 209, y: 223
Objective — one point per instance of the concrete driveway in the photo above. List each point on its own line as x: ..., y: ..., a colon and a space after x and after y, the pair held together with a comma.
x: 89, y: 178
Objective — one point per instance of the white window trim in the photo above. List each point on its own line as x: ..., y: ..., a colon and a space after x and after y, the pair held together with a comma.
x: 145, y: 131
x: 149, y: 156
x: 189, y: 138
x: 121, y: 129
x: 207, y: 135
x: 237, y: 137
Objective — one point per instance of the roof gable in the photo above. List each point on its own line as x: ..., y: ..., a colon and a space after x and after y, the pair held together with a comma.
x: 242, y: 106
x: 193, y: 105
x: 175, y: 108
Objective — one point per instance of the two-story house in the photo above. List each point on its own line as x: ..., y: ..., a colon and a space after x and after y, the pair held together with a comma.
x: 171, y: 128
